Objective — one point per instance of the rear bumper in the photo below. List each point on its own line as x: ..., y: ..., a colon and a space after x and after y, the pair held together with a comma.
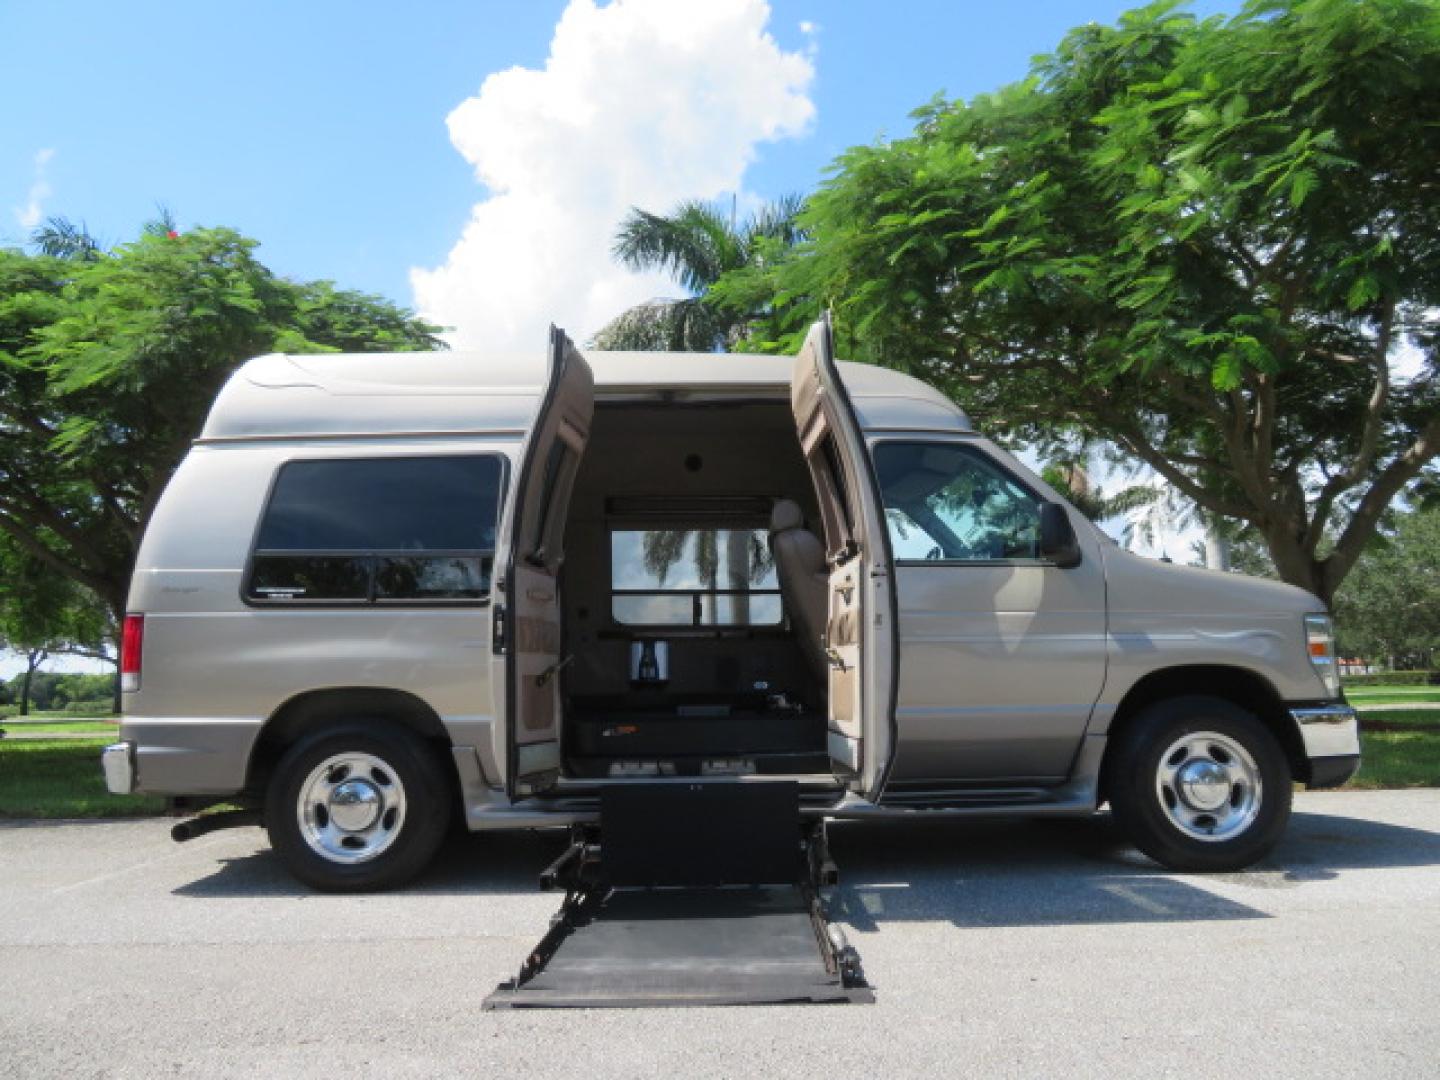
x: 117, y: 761
x: 189, y: 756
x: 1331, y: 735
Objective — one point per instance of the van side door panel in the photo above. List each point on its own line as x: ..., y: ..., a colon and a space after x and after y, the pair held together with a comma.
x: 526, y: 621
x: 860, y: 624
x: 1002, y: 654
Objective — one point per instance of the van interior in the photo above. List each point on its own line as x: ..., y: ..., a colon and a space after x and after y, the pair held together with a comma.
x: 693, y: 594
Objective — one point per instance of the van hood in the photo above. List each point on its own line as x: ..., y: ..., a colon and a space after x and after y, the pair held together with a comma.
x: 1135, y: 583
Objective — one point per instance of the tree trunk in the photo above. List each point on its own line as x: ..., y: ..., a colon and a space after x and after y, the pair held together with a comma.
x: 1295, y: 565
x: 1217, y: 550
x: 737, y: 574
x: 33, y: 659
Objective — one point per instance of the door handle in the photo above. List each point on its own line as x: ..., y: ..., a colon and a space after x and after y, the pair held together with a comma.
x: 836, y: 660
x: 497, y: 630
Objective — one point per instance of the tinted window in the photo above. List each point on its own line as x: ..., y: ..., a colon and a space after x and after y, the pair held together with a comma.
x: 292, y: 577
x: 693, y: 577
x: 446, y: 577
x: 948, y: 501
x: 387, y: 529
x: 390, y: 504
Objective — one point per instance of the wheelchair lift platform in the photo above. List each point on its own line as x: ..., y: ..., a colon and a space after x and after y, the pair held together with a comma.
x: 705, y: 893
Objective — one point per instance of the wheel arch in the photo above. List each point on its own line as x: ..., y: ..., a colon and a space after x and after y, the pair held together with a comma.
x: 1241, y: 686
x: 308, y: 711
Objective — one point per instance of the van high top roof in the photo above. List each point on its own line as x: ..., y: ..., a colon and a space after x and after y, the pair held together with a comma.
x: 334, y: 394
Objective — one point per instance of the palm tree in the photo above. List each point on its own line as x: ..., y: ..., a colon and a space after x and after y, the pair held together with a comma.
x: 63, y: 239
x: 1069, y: 476
x: 696, y: 244
x: 747, y: 561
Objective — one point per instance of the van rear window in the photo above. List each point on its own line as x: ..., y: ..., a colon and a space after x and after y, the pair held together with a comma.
x: 379, y: 530
x: 701, y: 576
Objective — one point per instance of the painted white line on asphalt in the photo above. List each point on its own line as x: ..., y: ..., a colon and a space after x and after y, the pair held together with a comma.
x: 190, y: 845
x: 1134, y: 896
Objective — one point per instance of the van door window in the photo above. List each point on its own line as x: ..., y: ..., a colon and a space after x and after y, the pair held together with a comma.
x: 948, y: 501
x: 378, y: 530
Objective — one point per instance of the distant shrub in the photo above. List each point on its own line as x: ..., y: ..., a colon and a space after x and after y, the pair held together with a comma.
x: 1393, y: 678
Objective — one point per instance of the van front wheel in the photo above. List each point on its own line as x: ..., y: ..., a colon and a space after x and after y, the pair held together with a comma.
x: 1198, y: 783
x: 357, y: 807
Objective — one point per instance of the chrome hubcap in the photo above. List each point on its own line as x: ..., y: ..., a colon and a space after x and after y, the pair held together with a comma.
x: 351, y: 807
x: 1209, y: 786
x: 1203, y: 784
x: 355, y: 805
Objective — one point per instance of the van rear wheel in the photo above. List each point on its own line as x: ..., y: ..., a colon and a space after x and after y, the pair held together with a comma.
x: 357, y: 807
x: 1198, y: 783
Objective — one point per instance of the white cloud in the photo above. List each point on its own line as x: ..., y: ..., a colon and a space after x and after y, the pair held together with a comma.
x: 640, y: 103
x: 30, y: 215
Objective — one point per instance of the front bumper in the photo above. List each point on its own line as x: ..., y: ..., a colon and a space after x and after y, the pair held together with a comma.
x: 1331, y: 735
x: 118, y: 762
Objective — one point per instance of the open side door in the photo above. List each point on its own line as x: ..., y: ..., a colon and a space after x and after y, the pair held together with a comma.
x: 860, y: 636
x: 526, y: 631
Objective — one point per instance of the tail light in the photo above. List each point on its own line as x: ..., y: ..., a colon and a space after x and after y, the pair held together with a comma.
x: 132, y: 643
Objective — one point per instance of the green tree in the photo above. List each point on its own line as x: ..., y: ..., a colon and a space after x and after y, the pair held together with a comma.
x: 1389, y: 607
x: 109, y: 362
x: 696, y: 244
x: 43, y: 614
x: 1212, y: 244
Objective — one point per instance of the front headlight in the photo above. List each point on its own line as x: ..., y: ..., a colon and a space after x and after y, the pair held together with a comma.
x: 1320, y: 645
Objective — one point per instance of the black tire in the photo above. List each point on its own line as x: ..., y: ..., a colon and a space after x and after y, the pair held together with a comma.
x: 1166, y: 826
x: 408, y: 761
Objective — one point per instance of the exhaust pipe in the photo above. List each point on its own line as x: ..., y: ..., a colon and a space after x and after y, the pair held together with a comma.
x: 208, y: 823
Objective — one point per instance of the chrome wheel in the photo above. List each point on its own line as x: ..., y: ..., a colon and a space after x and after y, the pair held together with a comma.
x: 351, y: 807
x: 1209, y: 786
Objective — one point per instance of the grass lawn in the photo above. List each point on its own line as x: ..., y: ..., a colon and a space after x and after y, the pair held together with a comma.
x: 60, y: 727
x: 11, y: 715
x: 1361, y: 696
x: 1397, y: 759
x: 61, y: 779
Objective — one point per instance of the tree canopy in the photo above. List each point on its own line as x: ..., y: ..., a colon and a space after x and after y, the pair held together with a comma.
x: 43, y: 614
x: 1213, y: 245
x: 109, y: 361
x: 1389, y: 608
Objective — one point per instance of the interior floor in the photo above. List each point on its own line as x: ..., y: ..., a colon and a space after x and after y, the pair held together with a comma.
x: 680, y: 659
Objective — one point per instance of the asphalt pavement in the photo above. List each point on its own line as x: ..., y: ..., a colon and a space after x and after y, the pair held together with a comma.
x: 1003, y: 950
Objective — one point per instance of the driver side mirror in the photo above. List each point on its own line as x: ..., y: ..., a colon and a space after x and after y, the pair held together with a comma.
x: 1057, y: 536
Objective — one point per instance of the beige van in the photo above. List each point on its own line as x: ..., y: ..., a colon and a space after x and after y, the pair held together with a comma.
x: 385, y: 591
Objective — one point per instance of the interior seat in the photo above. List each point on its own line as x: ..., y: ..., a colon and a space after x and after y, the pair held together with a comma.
x: 804, y: 580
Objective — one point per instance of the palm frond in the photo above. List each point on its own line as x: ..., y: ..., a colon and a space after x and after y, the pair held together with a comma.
x: 691, y: 244
x: 61, y: 238
x: 663, y: 326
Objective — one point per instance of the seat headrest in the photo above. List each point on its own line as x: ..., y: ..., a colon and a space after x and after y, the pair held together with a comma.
x: 786, y: 514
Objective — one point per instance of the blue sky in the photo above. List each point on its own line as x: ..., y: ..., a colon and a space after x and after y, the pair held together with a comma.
x: 319, y: 127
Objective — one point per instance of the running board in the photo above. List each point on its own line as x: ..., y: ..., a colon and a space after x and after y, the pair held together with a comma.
x: 706, y: 894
